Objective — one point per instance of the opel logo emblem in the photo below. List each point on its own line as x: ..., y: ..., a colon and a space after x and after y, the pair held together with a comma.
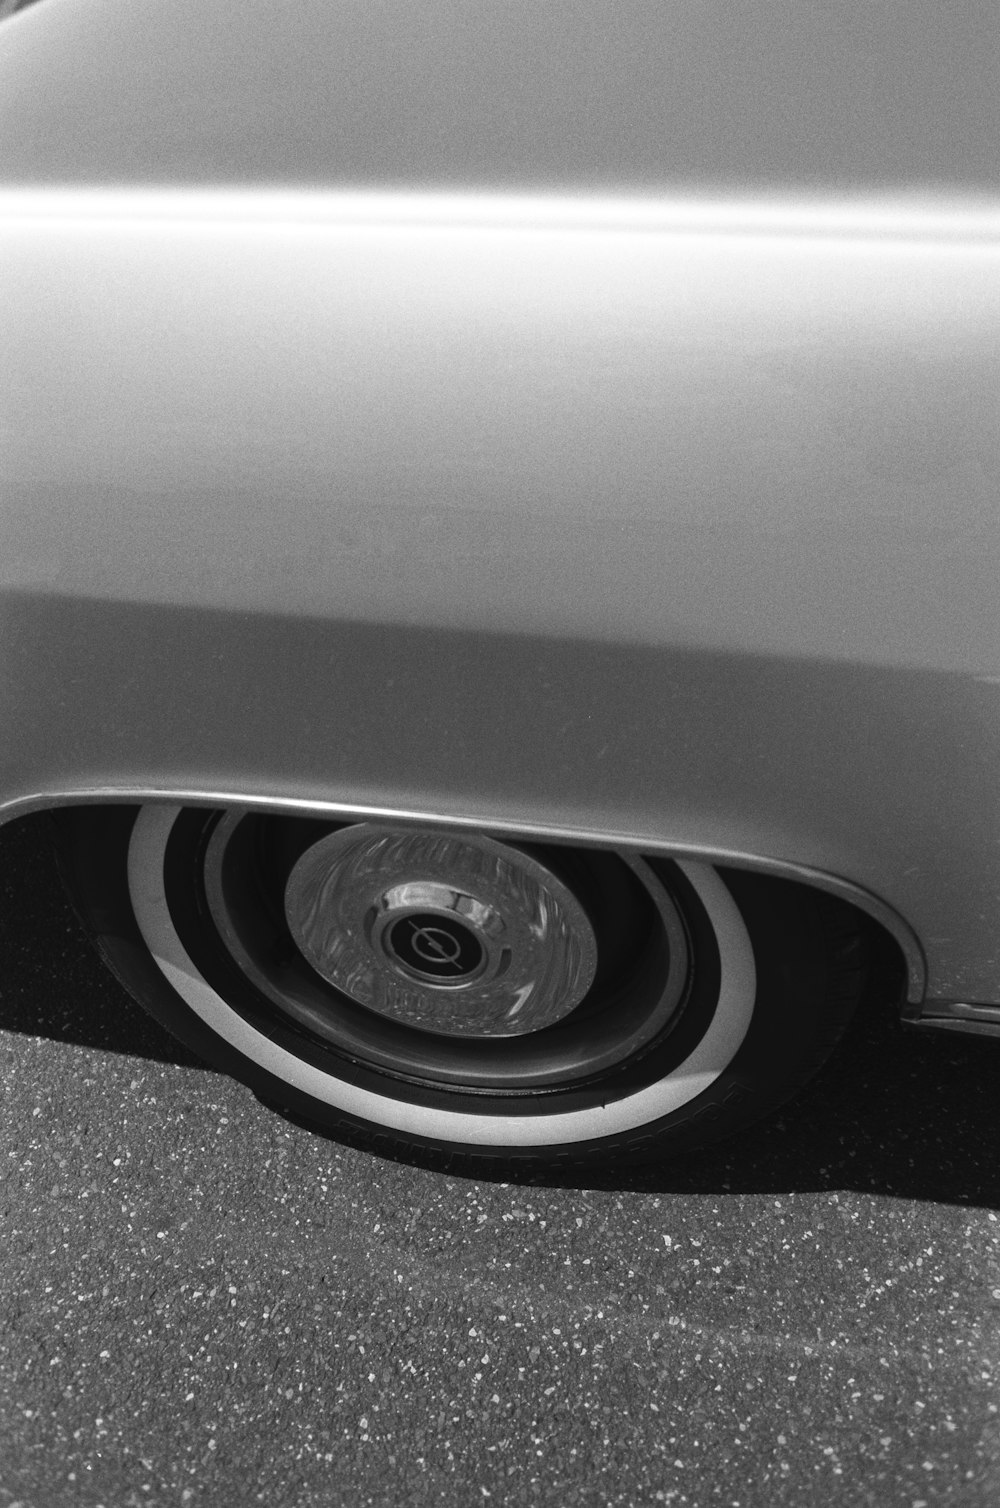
x: 434, y: 944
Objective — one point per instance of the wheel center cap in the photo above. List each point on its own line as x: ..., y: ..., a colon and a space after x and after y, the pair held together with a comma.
x: 435, y: 947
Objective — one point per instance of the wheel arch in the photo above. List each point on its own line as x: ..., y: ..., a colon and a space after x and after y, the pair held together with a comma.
x: 899, y: 943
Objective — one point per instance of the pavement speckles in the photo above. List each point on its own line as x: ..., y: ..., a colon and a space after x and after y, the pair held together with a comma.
x: 223, y: 1296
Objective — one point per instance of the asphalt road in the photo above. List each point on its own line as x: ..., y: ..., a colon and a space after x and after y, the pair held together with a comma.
x: 204, y: 1304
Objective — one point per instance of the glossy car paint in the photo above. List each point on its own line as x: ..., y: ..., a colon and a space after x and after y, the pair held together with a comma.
x: 562, y: 418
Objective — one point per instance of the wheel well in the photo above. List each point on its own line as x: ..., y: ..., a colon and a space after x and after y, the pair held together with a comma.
x: 895, y: 971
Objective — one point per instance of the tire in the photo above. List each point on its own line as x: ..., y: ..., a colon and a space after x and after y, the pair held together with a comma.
x: 675, y: 1001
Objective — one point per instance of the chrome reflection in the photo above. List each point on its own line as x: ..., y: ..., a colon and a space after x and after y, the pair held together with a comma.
x: 918, y: 216
x: 448, y: 933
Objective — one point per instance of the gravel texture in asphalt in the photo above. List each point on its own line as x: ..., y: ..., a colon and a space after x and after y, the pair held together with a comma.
x: 206, y: 1304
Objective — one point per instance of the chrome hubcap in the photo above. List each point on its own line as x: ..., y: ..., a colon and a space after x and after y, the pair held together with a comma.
x: 439, y: 957
x: 463, y: 936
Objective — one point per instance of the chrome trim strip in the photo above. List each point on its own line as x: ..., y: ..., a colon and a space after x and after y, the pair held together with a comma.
x: 847, y: 890
x: 975, y: 1017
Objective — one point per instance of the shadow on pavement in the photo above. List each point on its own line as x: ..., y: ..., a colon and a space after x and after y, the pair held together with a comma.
x: 896, y: 1112
x: 52, y: 984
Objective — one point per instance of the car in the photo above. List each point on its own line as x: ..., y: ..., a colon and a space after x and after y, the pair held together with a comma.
x: 501, y: 539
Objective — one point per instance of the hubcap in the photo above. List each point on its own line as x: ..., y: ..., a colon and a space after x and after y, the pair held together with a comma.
x: 440, y: 958
x: 459, y: 935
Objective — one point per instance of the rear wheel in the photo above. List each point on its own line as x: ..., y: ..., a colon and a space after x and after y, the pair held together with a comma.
x: 453, y: 995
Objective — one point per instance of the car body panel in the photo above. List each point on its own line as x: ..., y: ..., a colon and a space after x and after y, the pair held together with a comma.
x: 647, y: 96
x: 408, y: 450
